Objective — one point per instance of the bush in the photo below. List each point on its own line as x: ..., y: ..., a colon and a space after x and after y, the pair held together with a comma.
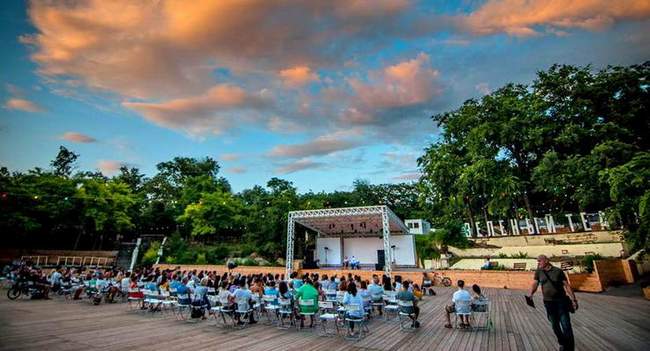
x: 502, y: 255
x: 520, y: 255
x: 200, y: 259
x: 588, y: 262
x: 151, y: 254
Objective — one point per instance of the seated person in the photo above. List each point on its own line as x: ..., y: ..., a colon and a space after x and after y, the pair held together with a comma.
x: 308, y: 292
x: 478, y: 299
x: 242, y: 296
x: 486, y: 264
x: 352, y: 297
x: 417, y: 291
x: 346, y: 262
x: 427, y: 285
x: 405, y: 295
x: 460, y: 295
x: 376, y: 292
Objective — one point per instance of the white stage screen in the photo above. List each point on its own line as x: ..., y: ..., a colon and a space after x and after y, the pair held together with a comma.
x: 333, y: 254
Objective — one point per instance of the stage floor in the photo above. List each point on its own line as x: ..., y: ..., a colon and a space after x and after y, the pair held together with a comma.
x: 602, y: 323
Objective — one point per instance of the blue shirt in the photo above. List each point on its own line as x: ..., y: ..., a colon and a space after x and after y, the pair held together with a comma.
x: 271, y: 291
x: 182, y: 289
x: 375, y: 290
x: 349, y: 299
x: 297, y: 283
x: 242, y: 295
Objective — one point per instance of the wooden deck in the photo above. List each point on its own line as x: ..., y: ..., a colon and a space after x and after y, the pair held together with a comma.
x: 602, y: 323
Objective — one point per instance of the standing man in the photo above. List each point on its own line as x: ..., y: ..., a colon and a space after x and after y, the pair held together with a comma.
x: 559, y: 300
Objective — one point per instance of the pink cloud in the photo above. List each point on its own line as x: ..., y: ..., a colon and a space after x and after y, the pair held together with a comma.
x: 109, y: 167
x: 22, y: 105
x: 236, y: 170
x: 202, y: 114
x: 230, y: 157
x: 298, y: 76
x: 298, y: 165
x: 520, y: 17
x: 406, y: 83
x: 78, y: 137
x: 322, y: 145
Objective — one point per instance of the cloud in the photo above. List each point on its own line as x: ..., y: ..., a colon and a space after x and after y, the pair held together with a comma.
x: 322, y: 145
x: 109, y: 167
x: 236, y: 170
x: 22, y: 105
x: 524, y: 18
x: 78, y: 137
x: 393, y: 103
x: 298, y: 165
x: 230, y: 157
x: 298, y: 76
x: 207, y: 113
x: 414, y: 176
x: 483, y: 88
x: 167, y: 49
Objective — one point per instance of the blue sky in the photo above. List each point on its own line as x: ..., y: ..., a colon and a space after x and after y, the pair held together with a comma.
x: 319, y: 92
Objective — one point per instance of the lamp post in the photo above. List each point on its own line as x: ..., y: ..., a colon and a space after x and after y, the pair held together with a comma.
x: 326, y: 249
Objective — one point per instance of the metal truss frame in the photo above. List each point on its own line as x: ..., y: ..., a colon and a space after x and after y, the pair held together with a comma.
x: 387, y: 217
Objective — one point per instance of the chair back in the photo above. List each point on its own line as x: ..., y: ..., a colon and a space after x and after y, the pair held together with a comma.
x: 270, y: 299
x: 463, y: 307
x: 326, y: 305
x: 243, y: 306
x: 306, y: 302
x: 212, y: 291
x: 481, y: 305
x: 404, y: 303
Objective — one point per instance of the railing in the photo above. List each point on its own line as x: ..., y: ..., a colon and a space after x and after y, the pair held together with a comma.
x: 70, y: 260
x: 37, y: 260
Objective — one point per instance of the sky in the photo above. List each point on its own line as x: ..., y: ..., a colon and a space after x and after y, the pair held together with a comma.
x: 316, y: 92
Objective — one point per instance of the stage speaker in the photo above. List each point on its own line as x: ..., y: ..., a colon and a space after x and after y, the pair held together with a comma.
x: 309, y: 260
x: 381, y: 260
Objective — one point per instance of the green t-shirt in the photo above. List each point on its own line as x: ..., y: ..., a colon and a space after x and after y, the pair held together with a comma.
x: 550, y: 289
x: 308, y: 292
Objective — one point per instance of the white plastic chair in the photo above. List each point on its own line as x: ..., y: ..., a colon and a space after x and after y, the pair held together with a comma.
x: 463, y: 308
x: 406, y: 315
x: 351, y: 313
x: 285, y: 311
x: 328, y: 314
x: 305, y: 303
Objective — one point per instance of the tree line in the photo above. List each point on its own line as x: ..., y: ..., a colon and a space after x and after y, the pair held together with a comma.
x: 574, y: 140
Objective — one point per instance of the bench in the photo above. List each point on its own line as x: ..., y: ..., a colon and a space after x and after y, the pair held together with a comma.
x: 519, y: 266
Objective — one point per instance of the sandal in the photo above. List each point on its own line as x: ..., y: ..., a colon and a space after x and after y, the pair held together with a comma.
x: 448, y: 326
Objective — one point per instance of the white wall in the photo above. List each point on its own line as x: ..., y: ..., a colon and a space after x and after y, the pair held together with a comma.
x: 404, y: 249
x: 334, y: 252
x: 365, y: 249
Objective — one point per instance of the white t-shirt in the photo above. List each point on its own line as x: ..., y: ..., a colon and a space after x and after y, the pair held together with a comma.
x: 56, y: 278
x: 461, y: 295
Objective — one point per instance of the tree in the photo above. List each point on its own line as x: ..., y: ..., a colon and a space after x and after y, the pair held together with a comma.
x: 64, y: 162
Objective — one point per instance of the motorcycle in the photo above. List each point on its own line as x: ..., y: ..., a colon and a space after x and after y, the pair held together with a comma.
x: 24, y: 288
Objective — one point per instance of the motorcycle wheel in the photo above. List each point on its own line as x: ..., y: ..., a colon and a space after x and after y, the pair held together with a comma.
x: 13, y: 293
x: 446, y: 282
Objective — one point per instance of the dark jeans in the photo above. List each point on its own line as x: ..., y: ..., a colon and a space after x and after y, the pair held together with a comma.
x: 559, y: 316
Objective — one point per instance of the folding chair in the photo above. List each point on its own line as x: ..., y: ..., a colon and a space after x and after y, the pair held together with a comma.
x: 377, y: 302
x: 480, y: 308
x: 225, y: 309
x: 358, y: 322
x: 285, y: 311
x: 243, y: 312
x: 302, y: 303
x: 328, y: 314
x: 406, y: 315
x: 391, y: 307
x: 270, y: 308
x: 463, y: 308
x: 183, y: 304
x: 135, y: 296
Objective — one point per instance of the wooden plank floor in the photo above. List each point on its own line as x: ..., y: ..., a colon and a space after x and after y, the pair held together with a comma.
x: 602, y: 323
